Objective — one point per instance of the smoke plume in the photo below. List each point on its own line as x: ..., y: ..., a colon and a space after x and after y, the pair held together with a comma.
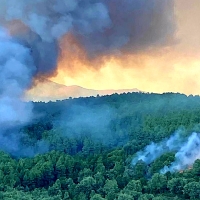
x: 187, y: 151
x: 16, y: 68
x: 155, y: 150
x: 31, y: 31
x: 186, y: 155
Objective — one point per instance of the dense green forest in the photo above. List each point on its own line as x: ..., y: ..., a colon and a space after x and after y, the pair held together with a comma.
x: 83, y: 149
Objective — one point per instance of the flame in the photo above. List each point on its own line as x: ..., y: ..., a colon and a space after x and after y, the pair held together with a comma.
x: 187, y: 169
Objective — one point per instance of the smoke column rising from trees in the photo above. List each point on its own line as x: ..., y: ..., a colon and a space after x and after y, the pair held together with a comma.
x: 187, y: 151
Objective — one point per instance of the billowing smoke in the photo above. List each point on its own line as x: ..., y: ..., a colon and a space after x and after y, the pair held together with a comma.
x: 101, y: 26
x: 30, y: 32
x: 16, y: 72
x: 187, y: 151
x: 186, y: 155
x: 155, y: 150
x: 15, y: 78
x: 135, y: 25
x: 16, y: 68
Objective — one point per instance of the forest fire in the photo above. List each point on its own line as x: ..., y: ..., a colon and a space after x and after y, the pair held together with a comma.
x: 187, y: 152
x: 187, y: 169
x: 82, y: 148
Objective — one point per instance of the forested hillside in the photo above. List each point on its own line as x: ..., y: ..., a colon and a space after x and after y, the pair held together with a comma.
x: 84, y: 148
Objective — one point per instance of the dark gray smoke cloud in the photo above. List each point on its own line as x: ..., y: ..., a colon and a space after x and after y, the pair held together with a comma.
x: 135, y: 25
x: 49, y: 20
x: 101, y: 26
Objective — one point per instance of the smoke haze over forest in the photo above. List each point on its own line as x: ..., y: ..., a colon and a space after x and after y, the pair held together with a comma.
x: 133, y: 145
x: 106, y: 39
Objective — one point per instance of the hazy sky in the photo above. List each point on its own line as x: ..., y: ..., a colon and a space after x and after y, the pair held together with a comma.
x: 172, y: 67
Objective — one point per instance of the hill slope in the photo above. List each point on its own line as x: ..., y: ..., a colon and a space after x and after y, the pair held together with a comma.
x: 51, y: 91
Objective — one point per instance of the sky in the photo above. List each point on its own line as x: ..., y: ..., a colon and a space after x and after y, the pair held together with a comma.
x: 172, y: 65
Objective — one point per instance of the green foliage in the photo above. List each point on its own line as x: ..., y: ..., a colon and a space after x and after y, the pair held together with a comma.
x: 124, y: 197
x: 176, y: 185
x: 139, y: 170
x: 158, y: 183
x: 95, y: 163
x: 159, y: 163
x: 97, y: 197
x: 192, y: 190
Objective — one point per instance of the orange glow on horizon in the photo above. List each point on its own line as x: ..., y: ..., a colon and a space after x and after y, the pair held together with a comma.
x: 154, y: 73
x: 174, y: 68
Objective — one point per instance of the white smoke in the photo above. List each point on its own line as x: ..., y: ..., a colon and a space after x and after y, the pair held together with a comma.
x: 155, y: 150
x: 187, y: 151
x: 186, y: 155
x: 16, y: 67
